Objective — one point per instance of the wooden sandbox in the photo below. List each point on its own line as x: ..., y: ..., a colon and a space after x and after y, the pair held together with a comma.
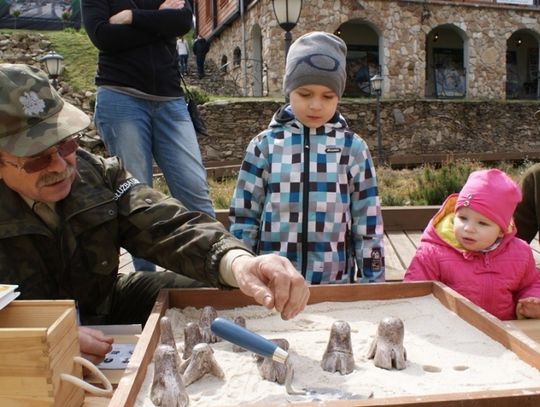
x: 526, y: 349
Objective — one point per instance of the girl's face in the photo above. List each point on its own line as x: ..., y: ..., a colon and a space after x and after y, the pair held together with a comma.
x: 313, y: 105
x: 474, y: 231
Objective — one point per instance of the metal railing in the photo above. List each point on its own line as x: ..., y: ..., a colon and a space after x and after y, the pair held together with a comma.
x: 236, y: 74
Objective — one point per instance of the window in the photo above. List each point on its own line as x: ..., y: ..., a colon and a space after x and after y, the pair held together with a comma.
x: 224, y: 64
x: 237, y: 56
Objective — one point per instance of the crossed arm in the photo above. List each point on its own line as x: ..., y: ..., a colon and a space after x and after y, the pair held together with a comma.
x: 132, y: 28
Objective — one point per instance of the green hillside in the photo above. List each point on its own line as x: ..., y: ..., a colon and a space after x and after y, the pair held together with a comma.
x: 80, y: 56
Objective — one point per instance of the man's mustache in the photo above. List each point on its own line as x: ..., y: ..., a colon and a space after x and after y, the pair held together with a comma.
x: 54, y: 177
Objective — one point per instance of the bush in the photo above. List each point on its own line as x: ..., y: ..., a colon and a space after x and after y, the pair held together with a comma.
x: 434, y: 185
x: 200, y: 96
x: 391, y: 199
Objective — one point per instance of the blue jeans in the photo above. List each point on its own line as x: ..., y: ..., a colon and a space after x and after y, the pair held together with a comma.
x: 139, y: 130
x: 183, y: 63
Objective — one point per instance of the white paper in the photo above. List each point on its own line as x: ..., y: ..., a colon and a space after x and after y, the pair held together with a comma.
x: 7, y: 294
x: 118, y: 357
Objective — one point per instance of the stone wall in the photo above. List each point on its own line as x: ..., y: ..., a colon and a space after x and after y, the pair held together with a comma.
x: 411, y: 129
x: 402, y: 27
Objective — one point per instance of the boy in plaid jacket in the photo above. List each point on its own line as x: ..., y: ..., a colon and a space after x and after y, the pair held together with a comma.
x: 307, y: 188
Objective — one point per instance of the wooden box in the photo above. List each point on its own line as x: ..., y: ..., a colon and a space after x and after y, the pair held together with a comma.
x: 525, y: 348
x: 38, y: 340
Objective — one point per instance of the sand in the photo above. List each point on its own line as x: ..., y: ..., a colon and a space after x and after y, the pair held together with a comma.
x: 445, y: 354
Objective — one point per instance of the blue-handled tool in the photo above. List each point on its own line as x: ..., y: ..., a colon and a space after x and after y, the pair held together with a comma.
x: 247, y: 339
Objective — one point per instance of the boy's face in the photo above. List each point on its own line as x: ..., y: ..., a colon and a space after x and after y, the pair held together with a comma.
x: 313, y: 105
x: 474, y: 231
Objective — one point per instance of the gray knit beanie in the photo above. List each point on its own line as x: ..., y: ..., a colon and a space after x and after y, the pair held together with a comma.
x: 316, y: 58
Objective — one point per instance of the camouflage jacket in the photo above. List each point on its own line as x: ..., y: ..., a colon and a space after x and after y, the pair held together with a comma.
x: 106, y: 209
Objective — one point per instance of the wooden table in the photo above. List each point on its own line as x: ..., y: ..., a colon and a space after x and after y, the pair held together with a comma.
x: 530, y: 327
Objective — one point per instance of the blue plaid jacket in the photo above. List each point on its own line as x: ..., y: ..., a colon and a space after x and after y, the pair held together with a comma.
x: 311, y: 195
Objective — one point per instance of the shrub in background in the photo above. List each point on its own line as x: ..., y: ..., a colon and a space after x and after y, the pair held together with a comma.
x: 200, y: 96
x: 433, y: 185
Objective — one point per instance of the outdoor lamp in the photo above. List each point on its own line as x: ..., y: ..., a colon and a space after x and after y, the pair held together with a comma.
x: 376, y: 84
x: 287, y: 13
x: 53, y: 66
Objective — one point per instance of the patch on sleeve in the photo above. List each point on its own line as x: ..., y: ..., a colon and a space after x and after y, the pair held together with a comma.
x: 124, y: 187
x: 376, y: 260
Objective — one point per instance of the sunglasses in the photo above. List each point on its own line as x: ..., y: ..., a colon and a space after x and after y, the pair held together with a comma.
x: 318, y: 61
x: 40, y: 162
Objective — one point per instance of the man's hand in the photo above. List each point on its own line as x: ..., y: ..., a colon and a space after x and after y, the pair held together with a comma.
x: 94, y: 344
x: 176, y: 4
x: 273, y: 282
x: 529, y: 307
x: 123, y: 17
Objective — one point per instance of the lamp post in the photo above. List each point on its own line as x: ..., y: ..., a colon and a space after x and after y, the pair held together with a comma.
x: 376, y: 85
x: 53, y: 66
x: 287, y: 13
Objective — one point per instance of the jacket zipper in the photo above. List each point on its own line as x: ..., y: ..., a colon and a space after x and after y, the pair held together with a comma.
x: 305, y: 202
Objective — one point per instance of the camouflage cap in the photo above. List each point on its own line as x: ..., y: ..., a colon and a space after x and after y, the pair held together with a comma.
x: 33, y: 116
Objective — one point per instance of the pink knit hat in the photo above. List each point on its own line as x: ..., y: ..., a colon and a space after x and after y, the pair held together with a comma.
x: 491, y: 193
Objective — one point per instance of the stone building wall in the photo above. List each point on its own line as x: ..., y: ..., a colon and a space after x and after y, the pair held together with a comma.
x: 402, y: 27
x: 410, y: 129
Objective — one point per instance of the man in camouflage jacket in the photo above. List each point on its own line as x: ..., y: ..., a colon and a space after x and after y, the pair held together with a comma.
x: 65, y: 213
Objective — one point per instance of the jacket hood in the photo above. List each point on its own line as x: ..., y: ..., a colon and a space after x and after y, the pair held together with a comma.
x: 284, y: 117
x: 437, y: 230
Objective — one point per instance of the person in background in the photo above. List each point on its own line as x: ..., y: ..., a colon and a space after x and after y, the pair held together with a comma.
x: 65, y: 214
x: 307, y: 188
x: 527, y: 215
x: 471, y: 246
x: 182, y: 48
x: 140, y: 111
x: 200, y: 49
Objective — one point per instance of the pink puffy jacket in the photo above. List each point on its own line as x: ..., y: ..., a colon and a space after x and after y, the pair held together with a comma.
x: 494, y: 280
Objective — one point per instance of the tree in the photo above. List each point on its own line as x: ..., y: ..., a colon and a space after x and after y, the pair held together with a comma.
x: 15, y: 13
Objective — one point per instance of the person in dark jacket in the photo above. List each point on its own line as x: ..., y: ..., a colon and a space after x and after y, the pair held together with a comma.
x: 65, y: 214
x: 140, y: 112
x: 527, y: 214
x: 200, y: 49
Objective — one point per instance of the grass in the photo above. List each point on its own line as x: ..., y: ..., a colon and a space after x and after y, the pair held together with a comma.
x: 80, y: 55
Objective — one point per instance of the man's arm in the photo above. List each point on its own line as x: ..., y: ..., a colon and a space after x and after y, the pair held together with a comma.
x: 162, y: 230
